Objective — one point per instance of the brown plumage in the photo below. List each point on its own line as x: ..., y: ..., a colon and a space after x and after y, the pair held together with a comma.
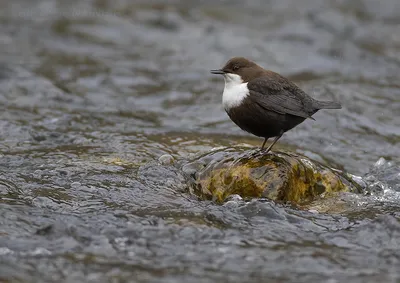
x: 272, y: 104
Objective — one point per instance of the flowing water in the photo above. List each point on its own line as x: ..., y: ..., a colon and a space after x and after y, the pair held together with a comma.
x: 93, y: 93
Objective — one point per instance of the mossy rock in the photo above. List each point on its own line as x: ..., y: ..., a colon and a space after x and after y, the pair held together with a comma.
x: 279, y: 176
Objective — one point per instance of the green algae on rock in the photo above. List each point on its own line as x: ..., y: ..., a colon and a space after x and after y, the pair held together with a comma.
x: 279, y: 176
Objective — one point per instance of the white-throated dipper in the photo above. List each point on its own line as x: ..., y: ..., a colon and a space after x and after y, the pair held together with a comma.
x: 263, y: 102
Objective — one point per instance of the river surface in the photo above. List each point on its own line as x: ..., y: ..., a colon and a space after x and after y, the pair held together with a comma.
x: 92, y: 93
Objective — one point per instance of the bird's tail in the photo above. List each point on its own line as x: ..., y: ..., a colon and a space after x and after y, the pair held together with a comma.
x: 327, y: 105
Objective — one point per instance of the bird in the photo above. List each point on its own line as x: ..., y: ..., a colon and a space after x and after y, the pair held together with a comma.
x: 265, y: 103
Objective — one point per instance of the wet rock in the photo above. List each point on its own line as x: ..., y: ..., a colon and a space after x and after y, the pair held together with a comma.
x: 280, y: 176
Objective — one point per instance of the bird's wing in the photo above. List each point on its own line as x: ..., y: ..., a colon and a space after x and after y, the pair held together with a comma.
x: 279, y: 96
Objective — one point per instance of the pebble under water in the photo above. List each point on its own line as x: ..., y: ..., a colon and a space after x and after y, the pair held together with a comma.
x: 98, y: 97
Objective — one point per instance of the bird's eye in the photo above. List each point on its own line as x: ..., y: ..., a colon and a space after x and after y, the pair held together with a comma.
x: 236, y: 67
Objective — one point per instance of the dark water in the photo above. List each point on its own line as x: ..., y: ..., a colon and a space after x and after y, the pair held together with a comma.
x: 94, y: 92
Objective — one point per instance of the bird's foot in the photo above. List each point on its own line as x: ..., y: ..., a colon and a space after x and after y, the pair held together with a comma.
x: 264, y: 151
x: 252, y: 153
x: 257, y: 152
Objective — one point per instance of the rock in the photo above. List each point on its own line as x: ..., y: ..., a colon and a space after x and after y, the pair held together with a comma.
x: 166, y: 159
x: 279, y: 176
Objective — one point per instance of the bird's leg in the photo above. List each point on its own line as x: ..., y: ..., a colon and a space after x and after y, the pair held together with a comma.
x: 262, y: 147
x: 273, y: 142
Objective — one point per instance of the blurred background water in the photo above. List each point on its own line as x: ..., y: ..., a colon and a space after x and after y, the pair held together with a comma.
x: 93, y: 92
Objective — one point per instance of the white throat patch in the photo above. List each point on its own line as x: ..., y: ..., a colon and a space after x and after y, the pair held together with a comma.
x: 234, y: 92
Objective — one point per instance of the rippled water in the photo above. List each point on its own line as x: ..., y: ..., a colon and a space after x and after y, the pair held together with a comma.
x: 94, y: 92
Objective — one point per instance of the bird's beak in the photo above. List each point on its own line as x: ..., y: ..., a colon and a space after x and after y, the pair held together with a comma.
x: 217, y: 72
